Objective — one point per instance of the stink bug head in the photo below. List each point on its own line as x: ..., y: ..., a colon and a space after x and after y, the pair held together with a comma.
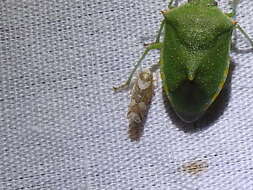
x: 194, y: 57
x: 203, y: 2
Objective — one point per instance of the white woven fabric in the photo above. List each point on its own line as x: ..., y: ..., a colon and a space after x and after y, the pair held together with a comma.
x: 62, y: 127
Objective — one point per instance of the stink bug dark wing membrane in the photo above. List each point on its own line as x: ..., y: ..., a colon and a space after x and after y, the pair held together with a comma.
x: 194, y: 61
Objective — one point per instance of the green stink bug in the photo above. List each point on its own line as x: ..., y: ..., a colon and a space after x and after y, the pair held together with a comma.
x: 194, y: 55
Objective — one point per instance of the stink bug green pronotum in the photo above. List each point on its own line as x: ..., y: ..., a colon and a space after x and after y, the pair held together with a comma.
x: 194, y: 55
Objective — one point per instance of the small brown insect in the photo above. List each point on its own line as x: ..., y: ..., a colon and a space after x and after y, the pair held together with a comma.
x: 195, y: 167
x: 141, y: 96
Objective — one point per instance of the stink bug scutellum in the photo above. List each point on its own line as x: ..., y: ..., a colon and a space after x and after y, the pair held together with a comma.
x: 194, y: 55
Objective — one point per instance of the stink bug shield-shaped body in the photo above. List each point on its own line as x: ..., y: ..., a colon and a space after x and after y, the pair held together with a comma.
x: 194, y: 59
x: 195, y: 56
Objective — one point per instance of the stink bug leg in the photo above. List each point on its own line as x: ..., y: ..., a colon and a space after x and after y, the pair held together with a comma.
x: 148, y: 48
x: 244, y: 33
x: 152, y: 46
x: 194, y: 57
x: 170, y: 3
x: 237, y: 26
x: 159, y: 32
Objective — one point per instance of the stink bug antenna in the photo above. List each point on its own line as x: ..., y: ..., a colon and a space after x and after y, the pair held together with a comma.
x: 234, y: 4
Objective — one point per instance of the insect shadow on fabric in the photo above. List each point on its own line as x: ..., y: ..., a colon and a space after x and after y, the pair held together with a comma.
x: 194, y: 58
x: 211, y: 115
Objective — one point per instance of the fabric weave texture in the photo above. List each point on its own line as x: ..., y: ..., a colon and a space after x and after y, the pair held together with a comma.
x: 62, y: 127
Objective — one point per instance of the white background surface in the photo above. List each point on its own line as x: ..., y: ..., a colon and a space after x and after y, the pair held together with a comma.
x: 62, y: 127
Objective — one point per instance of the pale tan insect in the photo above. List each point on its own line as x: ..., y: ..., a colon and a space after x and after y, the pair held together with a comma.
x: 195, y: 167
x: 141, y: 96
